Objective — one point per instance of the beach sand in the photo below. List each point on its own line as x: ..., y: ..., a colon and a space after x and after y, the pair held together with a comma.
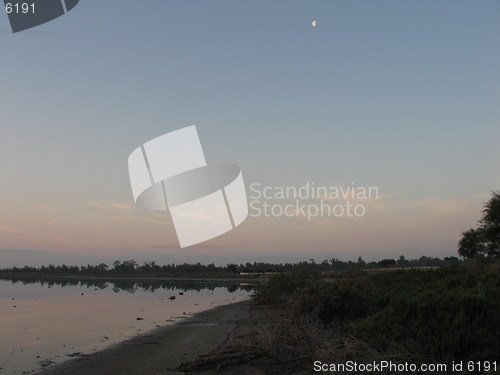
x: 210, y: 342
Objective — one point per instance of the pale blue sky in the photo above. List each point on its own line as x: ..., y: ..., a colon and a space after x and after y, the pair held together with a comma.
x: 403, y: 95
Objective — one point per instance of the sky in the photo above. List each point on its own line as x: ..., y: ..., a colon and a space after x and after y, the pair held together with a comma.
x: 402, y: 96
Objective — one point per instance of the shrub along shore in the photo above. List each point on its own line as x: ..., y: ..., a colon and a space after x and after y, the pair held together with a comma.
x: 418, y: 316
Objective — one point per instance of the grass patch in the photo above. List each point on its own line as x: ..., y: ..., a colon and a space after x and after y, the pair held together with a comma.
x: 430, y: 315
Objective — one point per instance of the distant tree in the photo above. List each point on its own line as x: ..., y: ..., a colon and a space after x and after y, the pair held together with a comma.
x: 484, y: 241
x: 402, y: 262
x: 233, y: 268
x: 103, y: 267
x: 452, y: 260
x: 324, y: 266
x: 116, y: 265
x: 387, y: 262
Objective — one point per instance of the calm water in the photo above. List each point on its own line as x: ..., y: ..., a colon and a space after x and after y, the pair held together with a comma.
x: 46, y: 322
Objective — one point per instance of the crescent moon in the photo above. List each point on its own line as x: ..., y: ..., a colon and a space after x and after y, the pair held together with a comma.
x: 314, y: 23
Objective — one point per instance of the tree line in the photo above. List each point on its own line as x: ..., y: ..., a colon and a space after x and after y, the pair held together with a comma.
x: 131, y: 267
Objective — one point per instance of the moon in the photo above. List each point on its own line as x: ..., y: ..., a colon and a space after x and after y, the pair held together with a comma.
x: 314, y: 23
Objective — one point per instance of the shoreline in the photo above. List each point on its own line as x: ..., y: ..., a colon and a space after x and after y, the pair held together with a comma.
x: 162, y: 350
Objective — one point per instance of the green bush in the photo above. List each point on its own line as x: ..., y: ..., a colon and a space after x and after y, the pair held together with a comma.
x: 443, y: 314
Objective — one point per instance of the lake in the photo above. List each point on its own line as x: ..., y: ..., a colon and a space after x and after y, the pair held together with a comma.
x: 48, y: 321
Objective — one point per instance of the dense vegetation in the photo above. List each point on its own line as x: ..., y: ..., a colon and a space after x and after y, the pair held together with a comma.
x: 442, y: 315
x: 132, y: 268
x: 483, y: 243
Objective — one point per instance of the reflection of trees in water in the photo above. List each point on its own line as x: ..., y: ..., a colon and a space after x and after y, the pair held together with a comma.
x: 131, y: 286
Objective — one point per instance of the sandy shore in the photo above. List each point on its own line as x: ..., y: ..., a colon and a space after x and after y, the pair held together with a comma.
x: 162, y: 351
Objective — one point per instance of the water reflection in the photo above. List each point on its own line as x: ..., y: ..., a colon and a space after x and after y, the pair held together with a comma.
x: 131, y: 285
x: 46, y: 320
